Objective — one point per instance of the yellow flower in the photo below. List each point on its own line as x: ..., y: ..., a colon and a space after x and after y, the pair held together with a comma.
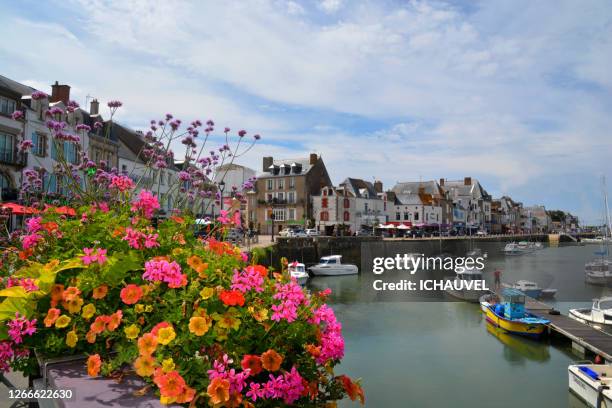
x: 260, y: 315
x: 177, y: 251
x: 88, y: 311
x: 139, y: 308
x: 165, y: 335
x: 132, y: 331
x: 165, y: 400
x: 206, y: 293
x: 199, y: 325
x: 228, y: 320
x: 148, y: 308
x: 221, y: 333
x: 168, y: 365
x: 71, y: 338
x: 62, y: 321
x: 73, y: 306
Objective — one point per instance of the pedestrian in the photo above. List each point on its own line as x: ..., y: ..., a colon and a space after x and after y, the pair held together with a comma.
x: 497, y: 274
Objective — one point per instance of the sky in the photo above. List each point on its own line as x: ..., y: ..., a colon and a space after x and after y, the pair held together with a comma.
x: 514, y: 93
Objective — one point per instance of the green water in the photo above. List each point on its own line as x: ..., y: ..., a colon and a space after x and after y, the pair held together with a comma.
x: 444, y: 354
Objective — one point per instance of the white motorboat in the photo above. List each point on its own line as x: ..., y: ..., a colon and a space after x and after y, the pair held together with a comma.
x: 476, y: 253
x: 512, y: 248
x: 529, y: 288
x: 598, y: 316
x: 298, y: 271
x: 591, y: 383
x: 596, y: 240
x: 598, y: 272
x: 332, y: 265
x: 464, y: 280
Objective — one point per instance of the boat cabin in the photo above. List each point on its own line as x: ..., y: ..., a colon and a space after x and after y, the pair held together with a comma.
x: 297, y: 267
x: 469, y: 274
x: 331, y: 260
x: 514, y: 303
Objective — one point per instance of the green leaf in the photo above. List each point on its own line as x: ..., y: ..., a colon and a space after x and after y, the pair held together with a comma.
x: 117, y: 267
x: 14, y: 292
x: 10, y: 306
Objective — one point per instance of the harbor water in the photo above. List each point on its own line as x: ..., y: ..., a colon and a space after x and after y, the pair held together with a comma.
x: 444, y: 354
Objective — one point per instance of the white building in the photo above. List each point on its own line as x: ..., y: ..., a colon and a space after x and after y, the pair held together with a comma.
x: 469, y: 194
x: 353, y: 205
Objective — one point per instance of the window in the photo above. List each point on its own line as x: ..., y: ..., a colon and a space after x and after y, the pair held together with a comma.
x: 347, y: 203
x: 162, y: 176
x: 347, y: 216
x: 324, y: 202
x: 291, y: 214
x: 4, y: 183
x: 365, y: 207
x: 398, y: 216
x: 52, y: 183
x: 281, y: 197
x: 416, y: 216
x: 270, y: 181
x: 71, y: 152
x: 279, y: 214
x: 291, y: 182
x: 281, y: 184
x: 324, y: 216
x: 7, y: 147
x: 124, y: 169
x: 7, y: 106
x: 269, y: 197
x: 291, y: 197
x: 40, y: 144
x: 406, y: 216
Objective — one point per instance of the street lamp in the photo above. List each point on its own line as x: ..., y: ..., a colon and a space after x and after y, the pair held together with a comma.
x: 221, y: 189
x: 272, y: 216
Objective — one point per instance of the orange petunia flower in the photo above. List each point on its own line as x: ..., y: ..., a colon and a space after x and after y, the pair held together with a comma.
x: 186, y: 396
x: 271, y: 360
x: 50, y: 227
x: 235, y: 400
x: 353, y: 390
x: 90, y: 337
x: 57, y: 292
x: 144, y: 365
x: 99, y: 325
x: 313, y: 350
x: 93, y: 365
x: 177, y: 219
x: 100, y: 292
x: 218, y: 390
x: 196, y: 263
x: 199, y: 325
x: 70, y: 293
x: 171, y: 384
x: 260, y: 269
x: 131, y: 294
x: 147, y: 344
x: 74, y: 305
x: 158, y: 326
x: 119, y: 231
x: 252, y: 362
x: 114, y: 320
x: 52, y: 316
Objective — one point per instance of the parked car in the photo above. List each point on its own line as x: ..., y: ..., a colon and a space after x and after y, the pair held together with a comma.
x: 482, y: 233
x: 312, y: 232
x: 286, y: 232
x: 364, y: 233
x: 234, y: 235
x: 299, y: 233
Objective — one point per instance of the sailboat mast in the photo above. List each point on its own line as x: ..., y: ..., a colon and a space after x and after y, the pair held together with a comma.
x: 608, y: 232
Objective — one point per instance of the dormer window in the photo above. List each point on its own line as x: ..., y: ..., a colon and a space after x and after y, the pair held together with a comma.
x: 296, y: 167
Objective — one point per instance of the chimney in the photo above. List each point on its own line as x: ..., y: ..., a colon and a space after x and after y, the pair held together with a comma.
x: 94, y: 107
x: 378, y: 186
x: 313, y: 158
x: 467, y: 181
x: 60, y: 93
x: 267, y: 162
x: 441, y: 182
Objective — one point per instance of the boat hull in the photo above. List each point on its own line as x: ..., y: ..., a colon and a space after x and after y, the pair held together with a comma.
x: 472, y: 296
x: 587, y: 389
x: 326, y: 270
x: 531, y: 330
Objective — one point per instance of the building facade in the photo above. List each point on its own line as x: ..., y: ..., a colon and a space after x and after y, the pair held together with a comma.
x: 284, y: 190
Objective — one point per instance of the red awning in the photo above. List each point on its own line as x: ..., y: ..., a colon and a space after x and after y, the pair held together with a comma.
x: 18, y: 209
x: 398, y: 223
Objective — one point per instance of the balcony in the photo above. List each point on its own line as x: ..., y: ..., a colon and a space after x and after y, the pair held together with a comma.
x: 13, y: 157
x: 276, y: 201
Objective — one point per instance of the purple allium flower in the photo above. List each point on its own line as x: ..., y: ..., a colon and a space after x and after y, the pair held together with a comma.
x: 226, y: 130
x: 17, y: 115
x: 98, y: 125
x: 257, y: 137
x: 169, y: 116
x: 114, y: 104
x: 25, y: 145
x: 242, y: 133
x: 209, y: 122
x: 84, y: 127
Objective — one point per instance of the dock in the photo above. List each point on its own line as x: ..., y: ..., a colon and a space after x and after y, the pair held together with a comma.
x: 583, y: 337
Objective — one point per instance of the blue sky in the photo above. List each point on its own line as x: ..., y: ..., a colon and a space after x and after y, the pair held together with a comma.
x: 514, y: 93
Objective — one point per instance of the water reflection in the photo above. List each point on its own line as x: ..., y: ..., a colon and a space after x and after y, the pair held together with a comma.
x: 517, y: 349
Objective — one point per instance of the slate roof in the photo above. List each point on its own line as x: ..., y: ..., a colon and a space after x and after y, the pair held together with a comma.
x: 304, y: 161
x: 359, y: 188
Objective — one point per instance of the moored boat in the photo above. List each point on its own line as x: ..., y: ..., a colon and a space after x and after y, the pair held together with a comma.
x: 598, y: 272
x: 511, y: 316
x: 332, y: 266
x: 591, y: 383
x: 598, y: 316
x: 529, y: 288
x: 298, y: 271
x: 512, y: 248
x: 464, y: 289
